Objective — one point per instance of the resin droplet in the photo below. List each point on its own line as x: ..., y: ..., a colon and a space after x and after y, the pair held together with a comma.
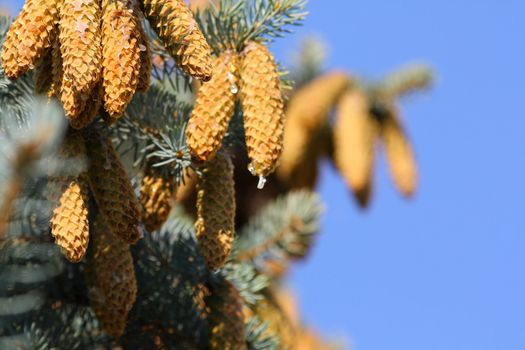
x: 234, y: 89
x: 262, y: 182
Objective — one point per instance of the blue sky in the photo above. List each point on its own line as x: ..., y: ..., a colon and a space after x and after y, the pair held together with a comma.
x: 445, y: 271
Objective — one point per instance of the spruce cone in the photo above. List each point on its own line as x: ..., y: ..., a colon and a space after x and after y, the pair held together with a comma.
x: 226, y: 318
x: 156, y: 195
x: 311, y: 105
x: 215, y: 223
x: 80, y: 46
x: 262, y: 105
x: 306, y: 116
x: 112, y: 188
x: 91, y: 109
x: 399, y: 154
x: 187, y: 186
x: 111, y: 279
x: 44, y: 73
x: 301, y: 153
x: 213, y: 109
x: 30, y: 35
x: 178, y: 30
x: 355, y: 132
x: 69, y: 196
x: 146, y: 61
x: 121, y: 40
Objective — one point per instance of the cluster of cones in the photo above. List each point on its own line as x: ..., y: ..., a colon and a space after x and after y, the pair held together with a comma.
x: 215, y: 205
x: 364, y: 116
x: 95, y: 53
x: 251, y: 75
x: 97, y: 203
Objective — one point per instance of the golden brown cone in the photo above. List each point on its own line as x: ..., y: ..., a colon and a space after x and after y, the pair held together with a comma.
x: 194, y: 56
x: 305, y: 339
x: 399, y: 155
x: 302, y: 152
x: 213, y: 109
x: 262, y: 104
x: 146, y: 61
x: 69, y: 224
x: 178, y: 30
x: 80, y: 47
x: 187, y: 187
x: 121, y: 40
x: 308, y: 339
x: 91, y: 109
x: 29, y: 36
x: 44, y: 73
x: 215, y: 225
x: 69, y: 196
x: 355, y: 133
x: 226, y: 318
x: 156, y: 196
x: 111, y: 279
x: 305, y: 133
x: 311, y: 105
x: 201, y: 5
x: 112, y: 188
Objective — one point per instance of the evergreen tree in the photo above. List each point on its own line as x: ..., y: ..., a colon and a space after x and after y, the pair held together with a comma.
x: 131, y: 132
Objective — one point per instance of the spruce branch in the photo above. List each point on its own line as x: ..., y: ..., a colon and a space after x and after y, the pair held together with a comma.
x: 57, y: 327
x: 408, y: 79
x: 282, y: 231
x: 23, y: 147
x: 248, y: 282
x: 256, y: 336
x: 153, y: 131
x: 231, y: 24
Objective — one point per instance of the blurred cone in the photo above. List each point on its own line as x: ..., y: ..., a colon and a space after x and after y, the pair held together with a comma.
x: 213, y: 109
x: 215, y: 225
x: 311, y: 105
x: 187, y: 186
x: 263, y: 108
x: 355, y: 132
x: 156, y: 196
x: 399, y: 155
x: 226, y: 318
x: 305, y: 133
x: 111, y: 279
x: 279, y: 325
x: 201, y: 5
